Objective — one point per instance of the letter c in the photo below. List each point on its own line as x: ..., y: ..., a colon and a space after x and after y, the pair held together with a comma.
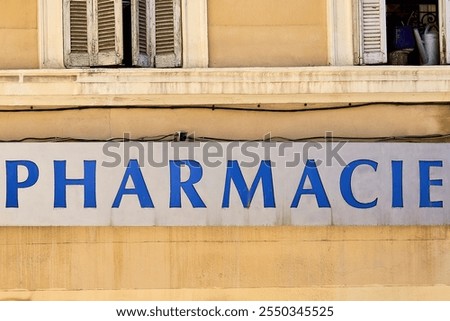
x: 346, y: 183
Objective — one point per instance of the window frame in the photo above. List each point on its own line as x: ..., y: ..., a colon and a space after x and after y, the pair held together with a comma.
x: 194, y: 22
x: 444, y: 41
x: 340, y: 25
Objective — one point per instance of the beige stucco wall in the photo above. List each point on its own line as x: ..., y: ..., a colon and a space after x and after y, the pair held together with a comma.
x: 260, y: 263
x: 267, y: 33
x: 106, y: 123
x: 18, y: 34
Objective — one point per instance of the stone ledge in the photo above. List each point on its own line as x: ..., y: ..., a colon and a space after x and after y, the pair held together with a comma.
x: 224, y: 86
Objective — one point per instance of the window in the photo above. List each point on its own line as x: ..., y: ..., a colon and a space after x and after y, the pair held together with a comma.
x: 387, y: 31
x: 144, y: 33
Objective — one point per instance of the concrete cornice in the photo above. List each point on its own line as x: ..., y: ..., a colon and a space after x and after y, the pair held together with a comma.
x: 224, y: 86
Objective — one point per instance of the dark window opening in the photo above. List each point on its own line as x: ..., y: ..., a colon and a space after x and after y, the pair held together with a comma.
x: 412, y: 28
x: 127, y: 46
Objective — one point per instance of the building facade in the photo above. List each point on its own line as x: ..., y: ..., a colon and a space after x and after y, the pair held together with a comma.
x: 242, y: 70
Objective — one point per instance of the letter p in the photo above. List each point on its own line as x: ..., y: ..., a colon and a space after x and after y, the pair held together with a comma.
x: 12, y: 180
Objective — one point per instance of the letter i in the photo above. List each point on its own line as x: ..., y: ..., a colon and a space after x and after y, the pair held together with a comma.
x: 397, y: 183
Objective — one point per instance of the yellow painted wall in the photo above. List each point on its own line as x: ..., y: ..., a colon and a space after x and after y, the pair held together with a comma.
x: 260, y: 263
x: 18, y: 34
x: 267, y: 33
x: 106, y: 123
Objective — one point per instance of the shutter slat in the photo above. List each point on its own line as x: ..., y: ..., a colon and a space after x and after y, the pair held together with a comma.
x: 77, y: 32
x: 373, y: 31
x: 164, y: 26
x: 142, y: 30
x: 445, y: 35
x: 167, y: 33
x: 106, y: 25
x: 108, y: 33
x: 78, y: 26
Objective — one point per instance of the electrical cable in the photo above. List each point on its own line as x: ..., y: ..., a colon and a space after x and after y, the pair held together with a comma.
x: 172, y: 136
x: 275, y: 139
x: 229, y: 108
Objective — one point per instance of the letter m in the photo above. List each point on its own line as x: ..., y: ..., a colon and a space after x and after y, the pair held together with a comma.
x: 234, y: 174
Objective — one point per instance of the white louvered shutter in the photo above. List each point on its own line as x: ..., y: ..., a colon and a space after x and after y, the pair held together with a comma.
x: 77, y: 36
x: 167, y: 35
x: 373, y: 31
x: 447, y: 31
x: 141, y: 30
x: 108, y: 34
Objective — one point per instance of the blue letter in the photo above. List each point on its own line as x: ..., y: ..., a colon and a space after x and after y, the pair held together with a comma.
x: 397, y: 183
x: 12, y: 180
x: 61, y: 183
x: 316, y: 189
x: 140, y: 188
x: 176, y: 185
x: 346, y: 183
x: 426, y: 182
x: 264, y: 175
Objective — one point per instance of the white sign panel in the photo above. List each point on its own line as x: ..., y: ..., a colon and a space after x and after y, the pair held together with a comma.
x: 224, y: 184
